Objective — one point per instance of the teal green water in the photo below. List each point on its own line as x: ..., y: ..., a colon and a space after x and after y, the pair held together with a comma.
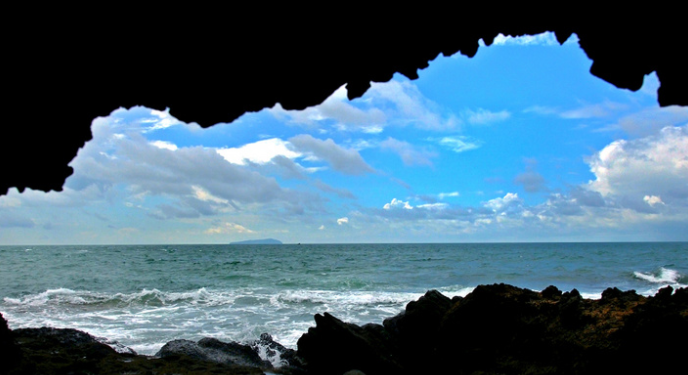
x: 144, y: 296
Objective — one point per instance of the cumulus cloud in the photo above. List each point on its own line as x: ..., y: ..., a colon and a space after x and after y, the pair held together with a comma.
x: 395, y: 203
x: 639, y: 190
x: 654, y: 166
x: 342, y: 221
x: 408, y: 153
x: 187, y: 182
x: 586, y: 197
x: 347, y: 161
x: 501, y: 204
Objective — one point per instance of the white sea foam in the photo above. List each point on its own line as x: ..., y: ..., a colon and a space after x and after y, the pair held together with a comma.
x: 664, y: 276
x: 147, y: 319
x: 139, y: 319
x: 591, y: 295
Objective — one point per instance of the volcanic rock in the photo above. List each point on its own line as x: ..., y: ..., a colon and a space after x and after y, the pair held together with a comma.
x: 502, y: 329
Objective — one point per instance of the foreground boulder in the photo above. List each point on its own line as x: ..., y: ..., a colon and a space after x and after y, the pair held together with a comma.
x: 10, y: 354
x: 69, y: 351
x: 213, y: 350
x: 502, y: 329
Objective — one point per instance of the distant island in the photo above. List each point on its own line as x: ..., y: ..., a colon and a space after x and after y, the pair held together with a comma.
x: 263, y: 241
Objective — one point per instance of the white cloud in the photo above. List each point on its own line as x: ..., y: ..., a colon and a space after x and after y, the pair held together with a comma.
x: 652, y: 200
x: 161, y: 120
x: 260, y: 152
x: 342, y: 221
x: 483, y: 116
x: 322, y: 227
x: 183, y: 182
x: 164, y: 145
x: 654, y: 165
x: 458, y: 144
x: 395, y: 203
x: 500, y: 204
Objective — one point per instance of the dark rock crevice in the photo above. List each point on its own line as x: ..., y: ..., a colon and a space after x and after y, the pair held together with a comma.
x: 64, y: 70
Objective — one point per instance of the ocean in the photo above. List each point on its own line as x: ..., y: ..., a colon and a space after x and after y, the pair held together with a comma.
x: 145, y: 296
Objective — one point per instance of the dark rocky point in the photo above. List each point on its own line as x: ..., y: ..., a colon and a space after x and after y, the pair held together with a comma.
x: 502, y: 329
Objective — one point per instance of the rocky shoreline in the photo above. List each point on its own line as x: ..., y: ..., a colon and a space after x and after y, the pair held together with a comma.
x: 496, y: 329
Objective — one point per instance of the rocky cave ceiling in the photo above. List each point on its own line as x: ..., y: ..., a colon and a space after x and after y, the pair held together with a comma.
x: 61, y: 75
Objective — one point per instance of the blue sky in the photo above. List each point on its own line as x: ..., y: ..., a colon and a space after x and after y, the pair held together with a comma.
x: 519, y: 143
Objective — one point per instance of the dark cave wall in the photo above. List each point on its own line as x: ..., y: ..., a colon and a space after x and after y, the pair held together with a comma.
x: 62, y: 73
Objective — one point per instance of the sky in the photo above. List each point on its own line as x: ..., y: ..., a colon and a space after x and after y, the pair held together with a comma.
x: 517, y: 144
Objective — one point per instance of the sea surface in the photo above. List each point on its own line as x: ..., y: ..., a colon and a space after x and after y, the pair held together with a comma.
x: 145, y: 296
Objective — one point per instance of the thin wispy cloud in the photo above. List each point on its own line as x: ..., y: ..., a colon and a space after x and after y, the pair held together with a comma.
x: 457, y: 144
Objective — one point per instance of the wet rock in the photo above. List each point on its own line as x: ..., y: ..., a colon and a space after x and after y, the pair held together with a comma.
x: 118, y: 347
x: 51, y: 351
x: 213, y: 350
x: 657, y: 329
x: 551, y: 292
x: 276, y: 353
x: 9, y: 351
x: 334, y: 347
x: 415, y: 329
